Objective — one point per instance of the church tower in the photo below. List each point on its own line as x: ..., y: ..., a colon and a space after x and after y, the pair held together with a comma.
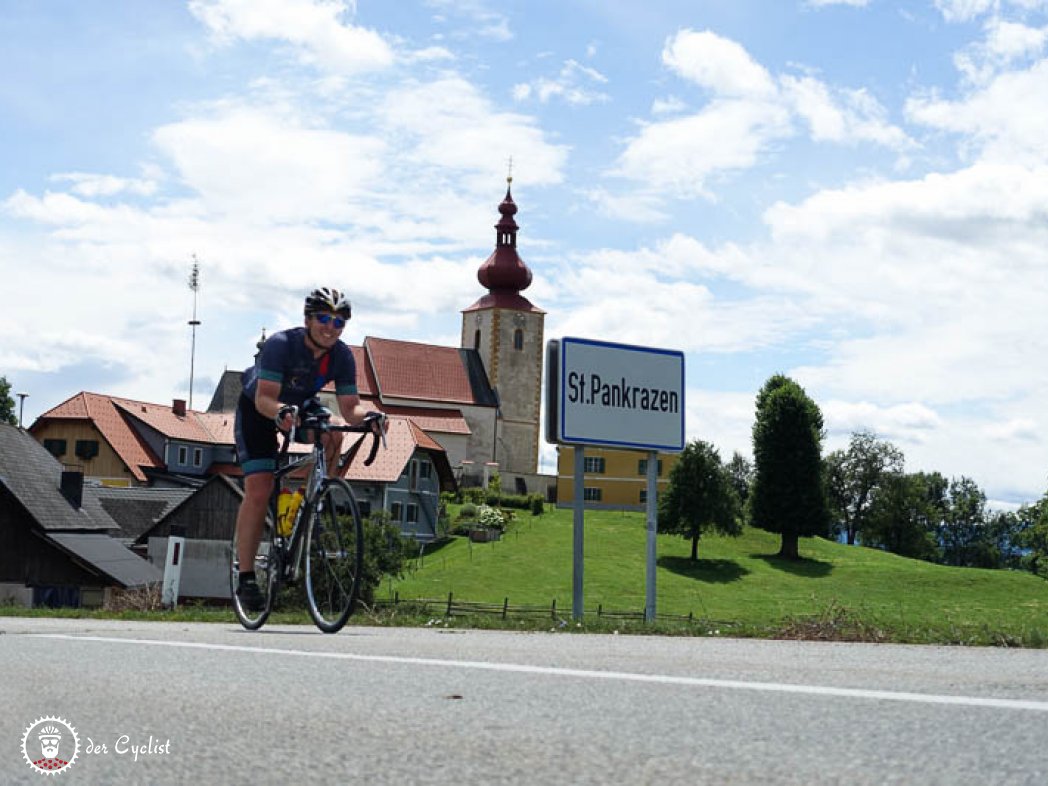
x: 507, y: 331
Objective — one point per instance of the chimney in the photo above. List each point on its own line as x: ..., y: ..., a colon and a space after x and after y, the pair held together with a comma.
x: 179, y: 407
x: 72, y: 487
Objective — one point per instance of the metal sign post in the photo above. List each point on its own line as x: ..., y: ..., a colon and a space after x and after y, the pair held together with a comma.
x: 653, y: 519
x: 578, y: 534
x: 614, y: 396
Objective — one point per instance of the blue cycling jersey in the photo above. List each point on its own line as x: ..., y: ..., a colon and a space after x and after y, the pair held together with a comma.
x: 286, y: 359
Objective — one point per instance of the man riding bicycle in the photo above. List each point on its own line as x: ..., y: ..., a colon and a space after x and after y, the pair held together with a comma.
x: 290, y: 370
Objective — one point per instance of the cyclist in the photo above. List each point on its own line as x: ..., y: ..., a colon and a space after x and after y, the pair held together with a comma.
x: 289, y: 371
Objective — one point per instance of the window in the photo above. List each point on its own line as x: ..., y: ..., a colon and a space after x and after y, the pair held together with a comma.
x: 198, y: 457
x: 412, y: 513
x: 425, y: 470
x: 183, y: 454
x: 643, y: 496
x: 56, y: 447
x: 642, y: 467
x: 476, y: 340
x: 365, y: 508
x: 413, y: 474
x: 86, y: 448
x: 592, y: 494
x: 594, y: 464
x: 395, y: 512
x: 518, y: 339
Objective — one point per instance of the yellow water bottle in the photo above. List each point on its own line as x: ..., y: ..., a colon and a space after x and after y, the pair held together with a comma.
x: 292, y: 511
x: 285, y: 513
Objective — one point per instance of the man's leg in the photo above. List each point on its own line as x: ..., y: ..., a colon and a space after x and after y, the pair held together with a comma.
x: 332, y: 450
x: 251, y: 517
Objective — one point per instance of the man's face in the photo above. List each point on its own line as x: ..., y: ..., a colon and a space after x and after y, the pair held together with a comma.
x: 49, y: 745
x: 325, y: 328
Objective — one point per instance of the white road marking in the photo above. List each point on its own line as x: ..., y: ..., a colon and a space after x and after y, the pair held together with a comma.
x: 622, y: 676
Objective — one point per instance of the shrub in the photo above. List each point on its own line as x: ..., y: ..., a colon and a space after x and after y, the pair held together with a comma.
x: 467, y: 511
x: 490, y: 517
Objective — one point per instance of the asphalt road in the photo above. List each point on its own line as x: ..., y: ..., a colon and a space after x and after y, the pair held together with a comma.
x: 406, y: 706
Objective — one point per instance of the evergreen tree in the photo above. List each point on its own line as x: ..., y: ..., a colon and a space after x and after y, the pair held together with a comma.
x: 788, y: 494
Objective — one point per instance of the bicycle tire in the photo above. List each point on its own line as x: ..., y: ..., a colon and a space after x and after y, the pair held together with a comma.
x: 334, y: 555
x: 267, y: 573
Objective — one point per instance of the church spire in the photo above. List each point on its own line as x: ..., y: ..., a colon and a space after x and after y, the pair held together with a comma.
x: 504, y: 274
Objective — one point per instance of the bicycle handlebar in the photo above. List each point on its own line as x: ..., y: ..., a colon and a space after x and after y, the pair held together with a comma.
x: 319, y: 422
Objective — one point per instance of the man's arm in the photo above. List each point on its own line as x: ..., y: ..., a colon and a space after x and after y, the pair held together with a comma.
x: 267, y: 402
x: 351, y: 409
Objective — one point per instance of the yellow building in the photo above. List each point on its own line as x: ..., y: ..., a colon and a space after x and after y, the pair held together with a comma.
x: 615, y: 479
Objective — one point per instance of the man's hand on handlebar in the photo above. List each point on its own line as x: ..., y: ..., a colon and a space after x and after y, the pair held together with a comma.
x: 286, y: 418
x: 378, y: 423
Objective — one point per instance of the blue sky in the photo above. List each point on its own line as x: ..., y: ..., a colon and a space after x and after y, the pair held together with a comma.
x: 852, y: 192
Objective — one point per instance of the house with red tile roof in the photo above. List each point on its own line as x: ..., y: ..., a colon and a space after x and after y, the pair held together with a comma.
x: 122, y: 442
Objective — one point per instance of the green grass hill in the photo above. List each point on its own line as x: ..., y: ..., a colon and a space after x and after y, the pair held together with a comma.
x: 737, y: 584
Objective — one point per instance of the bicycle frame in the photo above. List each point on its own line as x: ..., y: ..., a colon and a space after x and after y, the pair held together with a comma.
x: 292, y: 545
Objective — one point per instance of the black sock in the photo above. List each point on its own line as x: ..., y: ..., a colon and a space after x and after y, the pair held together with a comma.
x: 246, y: 576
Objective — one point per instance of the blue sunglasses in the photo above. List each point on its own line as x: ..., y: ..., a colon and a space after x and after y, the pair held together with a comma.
x: 323, y: 319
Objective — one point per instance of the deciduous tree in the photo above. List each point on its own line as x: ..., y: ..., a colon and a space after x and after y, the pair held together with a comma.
x: 700, y: 497
x: 7, y: 404
x: 854, y: 476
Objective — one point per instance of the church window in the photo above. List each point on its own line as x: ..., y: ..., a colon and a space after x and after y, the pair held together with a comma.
x: 518, y: 339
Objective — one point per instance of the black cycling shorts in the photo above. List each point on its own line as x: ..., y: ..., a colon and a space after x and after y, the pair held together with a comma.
x: 256, y: 438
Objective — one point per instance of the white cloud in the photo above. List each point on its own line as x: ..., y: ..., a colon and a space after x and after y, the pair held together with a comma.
x: 259, y: 165
x: 449, y: 124
x: 853, y: 116
x: 484, y: 22
x: 992, y: 130
x: 682, y: 153
x: 718, y: 64
x: 670, y: 105
x: 825, y: 3
x: 749, y: 114
x: 90, y: 185
x: 571, y: 85
x: 1005, y: 43
x: 1015, y: 429
x: 313, y: 27
x: 968, y: 10
x: 964, y: 10
x: 908, y: 423
x: 636, y: 207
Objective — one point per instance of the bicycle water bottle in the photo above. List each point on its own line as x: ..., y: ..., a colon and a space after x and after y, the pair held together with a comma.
x: 285, y: 512
x: 292, y: 511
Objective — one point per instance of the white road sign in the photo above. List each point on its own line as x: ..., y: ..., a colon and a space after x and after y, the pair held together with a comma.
x: 615, y: 395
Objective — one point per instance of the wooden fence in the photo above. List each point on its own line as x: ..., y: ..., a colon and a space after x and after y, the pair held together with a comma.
x: 451, y: 606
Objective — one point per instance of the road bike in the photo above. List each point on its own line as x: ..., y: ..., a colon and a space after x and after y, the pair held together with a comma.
x: 324, y: 545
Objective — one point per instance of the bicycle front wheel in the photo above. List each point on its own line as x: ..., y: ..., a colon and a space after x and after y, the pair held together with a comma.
x: 334, y: 555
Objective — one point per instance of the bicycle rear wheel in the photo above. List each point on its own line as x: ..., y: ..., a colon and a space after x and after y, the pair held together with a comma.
x: 267, y: 573
x: 334, y: 555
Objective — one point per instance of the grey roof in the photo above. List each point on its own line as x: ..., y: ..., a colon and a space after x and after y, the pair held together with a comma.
x: 108, y: 556
x: 33, y: 476
x: 136, y: 509
x: 227, y: 392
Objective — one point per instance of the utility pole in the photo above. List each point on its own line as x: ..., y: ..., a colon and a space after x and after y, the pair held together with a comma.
x: 194, y: 285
